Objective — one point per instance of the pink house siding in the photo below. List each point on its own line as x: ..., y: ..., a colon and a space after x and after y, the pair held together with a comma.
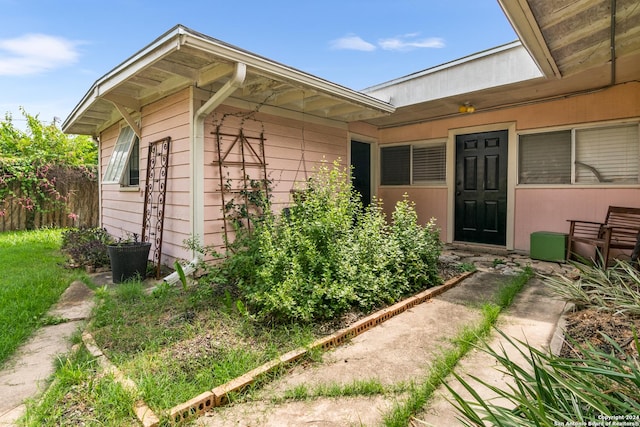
x: 122, y: 209
x: 533, y: 208
x: 293, y: 149
x: 540, y: 209
x: 430, y: 203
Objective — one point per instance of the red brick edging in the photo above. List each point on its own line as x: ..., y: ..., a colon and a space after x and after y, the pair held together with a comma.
x: 219, y: 396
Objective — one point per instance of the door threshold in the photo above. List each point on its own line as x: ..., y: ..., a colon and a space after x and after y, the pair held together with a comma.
x: 479, y: 248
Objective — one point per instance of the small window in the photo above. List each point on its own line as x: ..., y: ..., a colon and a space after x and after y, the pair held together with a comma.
x: 132, y: 177
x: 602, y: 155
x: 607, y: 155
x: 419, y: 164
x: 545, y: 158
x: 123, y: 167
x: 394, y: 165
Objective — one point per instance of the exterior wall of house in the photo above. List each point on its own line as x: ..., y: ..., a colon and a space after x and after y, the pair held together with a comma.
x: 293, y: 149
x: 531, y: 208
x: 122, y: 208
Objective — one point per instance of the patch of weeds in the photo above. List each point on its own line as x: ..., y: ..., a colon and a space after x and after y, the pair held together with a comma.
x: 370, y: 387
x: 507, y: 293
x: 497, y: 262
x: 48, y: 320
x: 176, y: 343
x: 81, y: 395
x: 467, y: 266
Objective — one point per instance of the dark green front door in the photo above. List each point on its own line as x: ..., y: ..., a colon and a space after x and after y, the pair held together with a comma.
x: 481, y: 188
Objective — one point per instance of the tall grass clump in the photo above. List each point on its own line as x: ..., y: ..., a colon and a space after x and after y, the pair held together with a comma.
x: 596, y: 388
x: 593, y: 386
x: 616, y: 289
x: 327, y: 255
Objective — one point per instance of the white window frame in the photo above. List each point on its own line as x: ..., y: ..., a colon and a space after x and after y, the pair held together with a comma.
x: 441, y: 143
x: 575, y: 130
x: 117, y: 170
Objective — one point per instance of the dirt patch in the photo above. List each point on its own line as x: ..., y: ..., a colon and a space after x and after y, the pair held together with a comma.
x: 589, y: 326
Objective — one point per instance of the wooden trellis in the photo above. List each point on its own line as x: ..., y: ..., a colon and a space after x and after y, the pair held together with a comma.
x: 246, y: 153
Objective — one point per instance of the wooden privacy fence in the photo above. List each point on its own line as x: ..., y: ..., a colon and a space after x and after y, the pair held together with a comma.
x: 80, y: 209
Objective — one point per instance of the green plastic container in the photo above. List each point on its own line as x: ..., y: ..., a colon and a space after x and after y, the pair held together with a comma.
x: 548, y: 246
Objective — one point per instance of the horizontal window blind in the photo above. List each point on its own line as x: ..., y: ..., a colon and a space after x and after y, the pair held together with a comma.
x: 545, y: 158
x: 394, y: 165
x: 607, y: 154
x: 429, y: 163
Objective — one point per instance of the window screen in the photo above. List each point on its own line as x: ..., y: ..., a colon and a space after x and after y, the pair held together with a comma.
x: 395, y: 165
x: 545, y: 158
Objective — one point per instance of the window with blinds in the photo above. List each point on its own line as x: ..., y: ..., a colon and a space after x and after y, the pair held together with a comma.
x: 603, y: 155
x: 395, y: 165
x: 545, y: 158
x: 119, y: 161
x: 428, y: 164
x: 607, y: 155
x: 419, y: 164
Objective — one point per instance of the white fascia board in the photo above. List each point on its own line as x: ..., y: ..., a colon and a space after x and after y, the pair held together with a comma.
x: 261, y: 65
x: 179, y: 36
x: 162, y: 46
x: 501, y: 66
x: 524, y: 24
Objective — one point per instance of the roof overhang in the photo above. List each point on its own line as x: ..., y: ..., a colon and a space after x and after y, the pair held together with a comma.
x: 182, y: 57
x: 578, y: 47
x: 568, y: 38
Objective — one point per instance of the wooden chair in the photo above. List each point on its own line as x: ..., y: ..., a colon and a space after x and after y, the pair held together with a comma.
x: 620, y: 230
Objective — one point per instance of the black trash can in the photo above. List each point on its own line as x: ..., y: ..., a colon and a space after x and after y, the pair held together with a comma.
x: 129, y: 260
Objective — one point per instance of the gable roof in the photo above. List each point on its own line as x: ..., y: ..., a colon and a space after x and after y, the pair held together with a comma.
x: 182, y: 57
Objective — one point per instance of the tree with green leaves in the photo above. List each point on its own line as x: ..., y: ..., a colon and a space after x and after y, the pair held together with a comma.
x: 33, y: 160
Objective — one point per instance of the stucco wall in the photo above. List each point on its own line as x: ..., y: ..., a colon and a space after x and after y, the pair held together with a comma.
x: 540, y: 209
x: 532, y: 208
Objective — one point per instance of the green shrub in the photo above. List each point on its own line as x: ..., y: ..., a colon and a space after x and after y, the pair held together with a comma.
x: 328, y: 255
x: 86, y: 246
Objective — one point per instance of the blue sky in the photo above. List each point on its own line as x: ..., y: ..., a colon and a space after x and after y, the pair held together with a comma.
x: 51, y: 52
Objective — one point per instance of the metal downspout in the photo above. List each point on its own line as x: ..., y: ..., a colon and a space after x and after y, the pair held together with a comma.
x: 197, y: 154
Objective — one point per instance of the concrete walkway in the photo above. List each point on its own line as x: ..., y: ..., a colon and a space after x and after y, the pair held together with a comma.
x: 26, y: 373
x: 397, y: 351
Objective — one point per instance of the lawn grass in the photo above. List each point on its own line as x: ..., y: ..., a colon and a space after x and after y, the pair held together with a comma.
x: 33, y: 278
x: 176, y: 343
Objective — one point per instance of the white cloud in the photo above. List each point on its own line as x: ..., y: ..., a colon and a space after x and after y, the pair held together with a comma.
x: 410, y: 42
x: 404, y: 42
x: 352, y: 43
x: 35, y: 53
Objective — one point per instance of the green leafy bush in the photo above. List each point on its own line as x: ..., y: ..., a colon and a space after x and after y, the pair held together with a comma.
x: 86, y: 246
x: 34, y: 161
x: 327, y: 254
